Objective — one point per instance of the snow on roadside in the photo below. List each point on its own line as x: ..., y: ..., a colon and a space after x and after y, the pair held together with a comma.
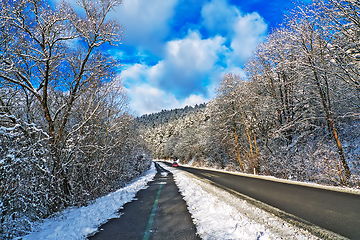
x: 275, y: 179
x: 77, y: 223
x: 219, y: 215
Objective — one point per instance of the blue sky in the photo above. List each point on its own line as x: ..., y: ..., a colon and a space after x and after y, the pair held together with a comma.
x: 174, y: 52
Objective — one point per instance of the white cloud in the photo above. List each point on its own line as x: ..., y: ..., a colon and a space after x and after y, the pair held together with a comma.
x: 192, y: 100
x: 141, y: 73
x: 184, y: 77
x: 188, y: 75
x: 188, y: 66
x: 146, y: 99
x: 249, y: 31
x: 193, y: 52
x: 244, y: 31
x: 146, y: 23
x: 218, y: 16
x: 190, y: 63
x: 134, y: 72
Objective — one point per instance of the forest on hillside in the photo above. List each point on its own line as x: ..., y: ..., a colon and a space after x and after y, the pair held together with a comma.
x: 66, y: 133
x: 295, y: 115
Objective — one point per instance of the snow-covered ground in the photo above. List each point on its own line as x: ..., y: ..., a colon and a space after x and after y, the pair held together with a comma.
x: 275, y: 179
x: 219, y: 215
x: 216, y: 213
x: 77, y: 223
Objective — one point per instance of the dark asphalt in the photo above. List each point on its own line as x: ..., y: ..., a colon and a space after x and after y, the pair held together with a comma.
x: 170, y: 217
x: 337, y: 212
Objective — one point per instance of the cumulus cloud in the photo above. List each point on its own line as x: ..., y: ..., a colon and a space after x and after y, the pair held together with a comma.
x: 243, y: 31
x: 146, y: 23
x: 187, y: 68
x: 192, y: 100
x: 190, y: 63
x: 249, y: 31
x: 147, y: 99
x: 190, y: 68
x: 218, y: 17
x: 187, y: 71
x: 134, y: 73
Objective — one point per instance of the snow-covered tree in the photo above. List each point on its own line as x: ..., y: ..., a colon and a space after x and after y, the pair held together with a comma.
x: 295, y: 115
x: 66, y: 135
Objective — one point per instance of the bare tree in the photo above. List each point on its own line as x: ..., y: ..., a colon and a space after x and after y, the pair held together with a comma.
x: 315, y: 64
x: 54, y: 50
x: 67, y: 133
x: 342, y: 24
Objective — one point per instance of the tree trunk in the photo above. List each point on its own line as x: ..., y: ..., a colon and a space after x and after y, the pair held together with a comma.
x: 248, y: 135
x: 237, y: 146
x: 332, y: 125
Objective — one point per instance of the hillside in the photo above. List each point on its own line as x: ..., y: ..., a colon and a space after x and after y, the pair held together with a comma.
x: 210, y: 135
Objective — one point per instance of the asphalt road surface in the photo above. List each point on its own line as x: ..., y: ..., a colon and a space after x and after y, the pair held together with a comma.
x: 158, y: 213
x: 309, y: 207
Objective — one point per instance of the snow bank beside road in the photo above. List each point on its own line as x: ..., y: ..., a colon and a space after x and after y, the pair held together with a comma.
x: 219, y: 215
x: 77, y: 223
x: 275, y: 179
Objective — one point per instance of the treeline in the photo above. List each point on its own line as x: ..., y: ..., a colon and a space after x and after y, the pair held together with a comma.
x: 294, y: 116
x: 166, y: 132
x: 167, y: 116
x: 66, y: 134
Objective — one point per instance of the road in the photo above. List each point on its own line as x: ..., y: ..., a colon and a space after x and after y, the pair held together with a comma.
x: 158, y: 213
x: 309, y: 207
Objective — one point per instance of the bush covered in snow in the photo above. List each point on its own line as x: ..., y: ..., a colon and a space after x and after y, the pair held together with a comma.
x: 29, y: 190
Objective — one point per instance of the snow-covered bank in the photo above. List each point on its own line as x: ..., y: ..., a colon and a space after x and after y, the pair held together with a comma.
x: 219, y: 215
x: 275, y: 179
x: 77, y: 223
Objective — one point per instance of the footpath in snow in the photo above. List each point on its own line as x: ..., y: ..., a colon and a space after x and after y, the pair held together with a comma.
x: 78, y: 223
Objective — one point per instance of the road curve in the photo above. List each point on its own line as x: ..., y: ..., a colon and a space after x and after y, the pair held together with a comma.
x: 338, y: 212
